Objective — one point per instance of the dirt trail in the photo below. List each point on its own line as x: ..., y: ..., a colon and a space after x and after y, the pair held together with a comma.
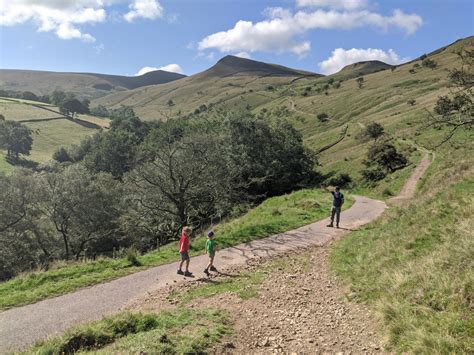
x: 22, y: 326
x: 408, y: 190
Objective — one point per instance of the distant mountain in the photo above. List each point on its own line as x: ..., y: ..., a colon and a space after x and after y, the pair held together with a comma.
x: 233, y: 82
x: 231, y: 65
x: 362, y: 68
x: 84, y: 85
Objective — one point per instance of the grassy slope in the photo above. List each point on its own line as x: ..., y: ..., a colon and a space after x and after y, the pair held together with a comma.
x: 415, y: 265
x: 383, y: 99
x: 137, y: 332
x: 275, y: 215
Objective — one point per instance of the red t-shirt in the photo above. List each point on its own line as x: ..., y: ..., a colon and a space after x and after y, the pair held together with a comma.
x: 183, y: 244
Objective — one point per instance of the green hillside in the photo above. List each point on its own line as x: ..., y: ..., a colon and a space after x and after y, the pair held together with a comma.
x: 50, y: 128
x: 386, y: 97
x: 83, y: 85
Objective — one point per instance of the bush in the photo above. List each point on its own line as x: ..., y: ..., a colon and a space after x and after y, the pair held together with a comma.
x: 373, y: 173
x: 61, y: 155
x: 341, y: 180
x: 323, y: 117
x: 132, y: 257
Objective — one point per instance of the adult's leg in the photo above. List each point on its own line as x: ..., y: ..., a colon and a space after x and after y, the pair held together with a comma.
x: 333, y: 213
x: 338, y: 215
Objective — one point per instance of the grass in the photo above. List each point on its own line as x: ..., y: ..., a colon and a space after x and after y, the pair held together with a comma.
x: 244, y: 285
x: 181, y: 331
x: 415, y: 266
x: 277, y: 214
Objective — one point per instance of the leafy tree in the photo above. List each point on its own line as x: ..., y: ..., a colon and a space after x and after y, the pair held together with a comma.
x: 374, y: 131
x: 85, y: 104
x: 122, y: 112
x: 360, y: 82
x: 83, y: 209
x: 323, y: 117
x: 62, y: 155
x: 112, y: 152
x: 72, y: 106
x: 100, y: 111
x: 57, y: 97
x: 170, y: 103
x: 15, y: 138
x: 456, y: 111
x: 182, y: 180
x: 385, y: 156
x: 429, y: 63
x: 28, y: 95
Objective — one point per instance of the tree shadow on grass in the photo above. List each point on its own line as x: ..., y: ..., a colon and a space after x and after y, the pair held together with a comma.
x: 22, y: 162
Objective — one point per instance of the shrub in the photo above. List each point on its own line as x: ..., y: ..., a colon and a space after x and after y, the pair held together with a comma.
x: 341, y: 180
x: 132, y: 257
x: 373, y: 173
x: 411, y: 102
x: 323, y: 117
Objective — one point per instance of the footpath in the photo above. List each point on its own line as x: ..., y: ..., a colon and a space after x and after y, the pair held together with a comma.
x: 22, y: 326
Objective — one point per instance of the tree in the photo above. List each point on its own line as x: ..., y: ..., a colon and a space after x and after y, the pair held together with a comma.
x: 100, y: 111
x: 61, y: 155
x: 456, y: 111
x: 85, y: 105
x: 28, y: 95
x: 385, y: 156
x: 183, y: 179
x: 57, y: 97
x: 374, y: 131
x: 429, y: 63
x: 84, y: 209
x: 360, y: 82
x: 323, y: 117
x: 170, y: 103
x: 72, y: 106
x: 15, y: 138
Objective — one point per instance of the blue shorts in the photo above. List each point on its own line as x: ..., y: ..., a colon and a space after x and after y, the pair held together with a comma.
x: 184, y: 256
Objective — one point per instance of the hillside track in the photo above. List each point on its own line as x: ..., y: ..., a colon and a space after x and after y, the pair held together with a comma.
x: 22, y: 326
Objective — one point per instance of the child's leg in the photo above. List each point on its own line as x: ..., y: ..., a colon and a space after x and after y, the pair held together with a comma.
x: 181, y: 264
x: 211, y: 261
x: 187, y: 264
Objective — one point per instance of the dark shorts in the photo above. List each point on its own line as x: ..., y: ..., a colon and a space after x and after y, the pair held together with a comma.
x: 184, y: 256
x: 212, y: 254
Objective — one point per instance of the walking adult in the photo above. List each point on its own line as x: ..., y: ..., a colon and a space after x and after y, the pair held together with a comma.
x: 337, y: 202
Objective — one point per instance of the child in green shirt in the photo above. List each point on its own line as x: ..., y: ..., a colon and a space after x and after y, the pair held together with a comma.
x: 211, y: 251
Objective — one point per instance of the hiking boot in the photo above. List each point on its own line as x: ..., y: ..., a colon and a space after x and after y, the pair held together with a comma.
x: 206, y: 271
x: 180, y: 272
x: 187, y: 273
x: 330, y: 225
x: 213, y: 269
x: 337, y: 225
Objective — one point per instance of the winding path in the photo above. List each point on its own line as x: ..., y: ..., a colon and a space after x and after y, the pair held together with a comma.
x: 22, y: 326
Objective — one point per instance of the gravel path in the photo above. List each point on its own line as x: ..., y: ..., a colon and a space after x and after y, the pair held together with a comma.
x: 20, y: 327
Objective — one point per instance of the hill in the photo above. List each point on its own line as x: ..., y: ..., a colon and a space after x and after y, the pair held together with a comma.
x: 361, y: 68
x: 83, y: 85
x: 232, y: 82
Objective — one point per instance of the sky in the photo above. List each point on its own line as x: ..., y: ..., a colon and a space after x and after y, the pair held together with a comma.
x: 130, y: 37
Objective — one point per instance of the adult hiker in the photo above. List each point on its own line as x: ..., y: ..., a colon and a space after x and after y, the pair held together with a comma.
x: 337, y: 202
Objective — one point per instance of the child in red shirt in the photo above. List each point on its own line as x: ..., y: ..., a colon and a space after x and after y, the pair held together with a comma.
x: 184, y: 251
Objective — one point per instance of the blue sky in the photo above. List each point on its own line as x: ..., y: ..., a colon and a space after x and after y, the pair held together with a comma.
x: 124, y: 36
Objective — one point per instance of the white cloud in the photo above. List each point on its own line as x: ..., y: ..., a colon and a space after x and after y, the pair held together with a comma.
x: 60, y: 16
x: 174, y: 68
x: 334, y: 4
x: 243, y: 55
x: 65, y: 17
x: 281, y: 31
x: 341, y: 57
x: 149, y: 9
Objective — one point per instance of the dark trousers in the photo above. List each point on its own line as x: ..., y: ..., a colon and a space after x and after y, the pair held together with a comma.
x: 336, y: 211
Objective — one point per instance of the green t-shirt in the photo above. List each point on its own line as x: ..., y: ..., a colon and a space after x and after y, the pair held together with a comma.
x: 211, y: 246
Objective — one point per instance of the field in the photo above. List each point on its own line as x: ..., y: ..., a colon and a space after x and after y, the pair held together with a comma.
x: 50, y: 130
